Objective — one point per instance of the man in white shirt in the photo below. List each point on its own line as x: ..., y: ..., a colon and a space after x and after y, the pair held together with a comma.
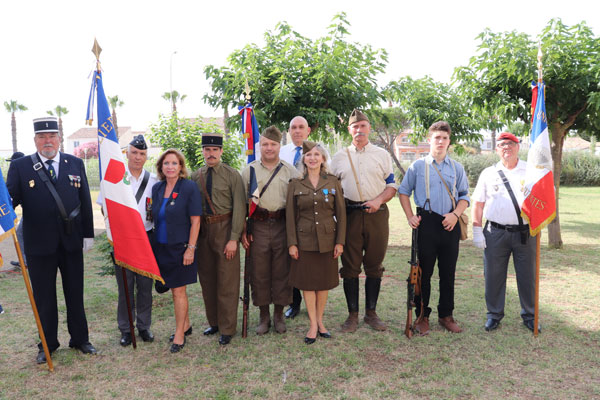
x: 141, y: 182
x: 498, y: 196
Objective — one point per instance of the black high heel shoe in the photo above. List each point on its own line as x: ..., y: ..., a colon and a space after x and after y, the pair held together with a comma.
x: 176, y: 348
x: 325, y: 335
x: 186, y: 333
x: 309, y: 340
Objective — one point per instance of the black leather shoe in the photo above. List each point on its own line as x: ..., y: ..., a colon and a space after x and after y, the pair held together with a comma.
x: 176, y: 348
x: 325, y: 335
x: 146, y: 335
x: 41, y: 357
x: 529, y: 325
x: 85, y: 348
x: 186, y: 333
x: 491, y: 324
x: 292, y: 311
x: 125, y: 339
x: 224, y: 340
x: 211, y: 330
x: 309, y: 340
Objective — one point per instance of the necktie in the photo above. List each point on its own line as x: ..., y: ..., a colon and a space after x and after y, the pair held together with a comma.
x: 51, y: 171
x: 209, y: 176
x: 297, y: 155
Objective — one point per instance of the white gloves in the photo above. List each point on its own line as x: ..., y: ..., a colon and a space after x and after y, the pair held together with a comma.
x: 478, y: 238
x: 88, y: 243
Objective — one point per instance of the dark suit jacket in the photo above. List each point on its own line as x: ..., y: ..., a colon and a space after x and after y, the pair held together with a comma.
x: 188, y: 203
x: 43, y: 228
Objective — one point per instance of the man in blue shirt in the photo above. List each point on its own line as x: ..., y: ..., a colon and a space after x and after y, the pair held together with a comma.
x: 437, y: 222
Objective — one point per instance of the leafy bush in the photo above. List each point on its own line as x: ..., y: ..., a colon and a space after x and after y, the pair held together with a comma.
x: 86, y: 150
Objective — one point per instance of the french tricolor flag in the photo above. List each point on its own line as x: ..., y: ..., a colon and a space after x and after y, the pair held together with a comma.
x: 539, y: 207
x: 124, y: 225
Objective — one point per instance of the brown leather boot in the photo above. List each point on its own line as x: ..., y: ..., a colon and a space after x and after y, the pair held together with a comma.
x: 421, y: 326
x: 450, y: 325
x: 351, y: 324
x: 372, y: 319
x: 278, y: 319
x: 265, y: 320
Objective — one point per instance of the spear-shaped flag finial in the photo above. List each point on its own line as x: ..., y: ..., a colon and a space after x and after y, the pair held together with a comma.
x: 96, y: 49
x: 247, y: 90
x: 539, y: 63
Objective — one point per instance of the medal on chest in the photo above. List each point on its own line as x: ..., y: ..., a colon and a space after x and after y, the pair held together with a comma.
x: 326, y: 193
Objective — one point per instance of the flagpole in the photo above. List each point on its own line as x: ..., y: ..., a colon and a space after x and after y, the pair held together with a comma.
x: 536, y: 314
x: 25, y: 272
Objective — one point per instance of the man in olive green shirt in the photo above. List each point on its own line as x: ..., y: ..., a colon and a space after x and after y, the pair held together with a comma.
x: 267, y: 239
x: 223, y: 215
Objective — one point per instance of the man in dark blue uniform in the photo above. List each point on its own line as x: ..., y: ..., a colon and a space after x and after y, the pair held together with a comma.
x: 53, y: 192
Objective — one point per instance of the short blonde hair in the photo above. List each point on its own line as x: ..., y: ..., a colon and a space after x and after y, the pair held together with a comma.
x: 182, y: 174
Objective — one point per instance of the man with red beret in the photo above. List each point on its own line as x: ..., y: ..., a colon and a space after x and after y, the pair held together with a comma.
x: 498, y: 197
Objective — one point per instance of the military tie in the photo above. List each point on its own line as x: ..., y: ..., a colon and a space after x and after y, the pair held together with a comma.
x: 209, y: 176
x: 51, y: 171
x: 297, y: 156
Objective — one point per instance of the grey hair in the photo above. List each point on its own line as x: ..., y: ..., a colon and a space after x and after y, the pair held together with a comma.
x: 324, y: 168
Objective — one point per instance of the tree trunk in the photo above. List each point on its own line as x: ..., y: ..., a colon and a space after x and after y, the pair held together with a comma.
x: 60, y: 132
x: 114, y: 121
x: 13, y: 125
x: 225, y: 118
x: 558, y: 139
x: 389, y: 146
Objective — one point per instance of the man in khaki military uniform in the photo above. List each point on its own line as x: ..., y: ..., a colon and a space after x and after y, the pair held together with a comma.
x: 367, y: 178
x: 223, y: 215
x: 267, y: 237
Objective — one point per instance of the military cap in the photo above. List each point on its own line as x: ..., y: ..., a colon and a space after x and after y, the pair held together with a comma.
x: 139, y: 142
x: 307, y: 146
x: 212, y: 140
x: 508, y: 136
x: 16, y: 155
x: 45, y: 125
x: 272, y: 133
x: 357, y: 116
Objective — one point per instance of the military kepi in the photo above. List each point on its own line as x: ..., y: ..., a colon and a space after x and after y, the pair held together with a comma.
x: 139, y: 142
x: 212, y: 140
x: 45, y: 125
x: 357, y: 116
x: 307, y: 146
x: 272, y: 133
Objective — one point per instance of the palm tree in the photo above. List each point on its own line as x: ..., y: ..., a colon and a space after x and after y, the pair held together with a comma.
x: 12, y: 106
x: 59, y: 111
x: 174, y: 97
x: 115, y: 102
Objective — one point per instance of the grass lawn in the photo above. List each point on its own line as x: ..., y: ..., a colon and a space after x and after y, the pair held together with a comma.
x: 563, y: 362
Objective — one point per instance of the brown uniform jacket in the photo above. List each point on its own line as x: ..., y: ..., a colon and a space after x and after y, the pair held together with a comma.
x: 315, y: 218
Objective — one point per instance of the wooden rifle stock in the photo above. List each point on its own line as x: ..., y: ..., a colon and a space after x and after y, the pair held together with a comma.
x: 413, y: 283
x: 246, y: 295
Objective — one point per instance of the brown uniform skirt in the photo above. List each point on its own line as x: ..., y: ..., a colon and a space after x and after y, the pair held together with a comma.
x: 314, y: 271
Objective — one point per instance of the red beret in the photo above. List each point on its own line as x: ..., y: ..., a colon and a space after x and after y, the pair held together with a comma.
x: 508, y: 136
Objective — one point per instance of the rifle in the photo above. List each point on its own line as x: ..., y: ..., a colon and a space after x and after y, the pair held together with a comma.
x: 413, y: 283
x: 246, y: 296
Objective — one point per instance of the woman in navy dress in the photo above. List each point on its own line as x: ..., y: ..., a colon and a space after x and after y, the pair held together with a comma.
x: 176, y: 210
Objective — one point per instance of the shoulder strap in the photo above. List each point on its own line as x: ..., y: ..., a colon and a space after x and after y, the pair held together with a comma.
x: 142, y: 187
x: 270, y: 179
x: 446, y: 186
x: 205, y: 193
x: 355, y: 176
x: 512, y: 196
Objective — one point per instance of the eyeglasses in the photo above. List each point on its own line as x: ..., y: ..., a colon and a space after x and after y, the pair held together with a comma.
x: 508, y: 143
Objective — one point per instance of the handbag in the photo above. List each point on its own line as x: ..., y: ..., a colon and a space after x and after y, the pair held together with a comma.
x: 463, y: 219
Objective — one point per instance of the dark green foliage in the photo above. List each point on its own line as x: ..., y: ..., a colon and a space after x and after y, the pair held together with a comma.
x: 185, y: 135
x: 105, y: 261
x: 580, y: 169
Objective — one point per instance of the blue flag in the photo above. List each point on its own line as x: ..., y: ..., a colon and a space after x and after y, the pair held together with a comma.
x: 8, y: 217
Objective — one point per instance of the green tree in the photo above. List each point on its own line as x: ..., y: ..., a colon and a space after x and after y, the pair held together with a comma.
x: 186, y: 135
x: 322, y: 80
x: 12, y: 106
x: 498, y: 79
x: 386, y: 125
x: 59, y: 111
x: 115, y: 103
x: 174, y: 97
x: 424, y: 101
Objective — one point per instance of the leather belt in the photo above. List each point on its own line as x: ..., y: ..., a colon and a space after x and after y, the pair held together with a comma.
x: 510, y: 228
x: 261, y: 214
x: 214, y: 219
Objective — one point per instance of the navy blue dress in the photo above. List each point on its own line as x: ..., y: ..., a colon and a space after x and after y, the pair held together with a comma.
x: 172, y: 230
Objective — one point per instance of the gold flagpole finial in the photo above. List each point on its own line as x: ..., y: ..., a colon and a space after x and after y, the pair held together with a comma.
x: 247, y: 90
x: 539, y: 64
x: 97, y: 50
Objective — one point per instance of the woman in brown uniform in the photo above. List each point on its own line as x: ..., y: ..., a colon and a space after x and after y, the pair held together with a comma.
x: 316, y: 230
